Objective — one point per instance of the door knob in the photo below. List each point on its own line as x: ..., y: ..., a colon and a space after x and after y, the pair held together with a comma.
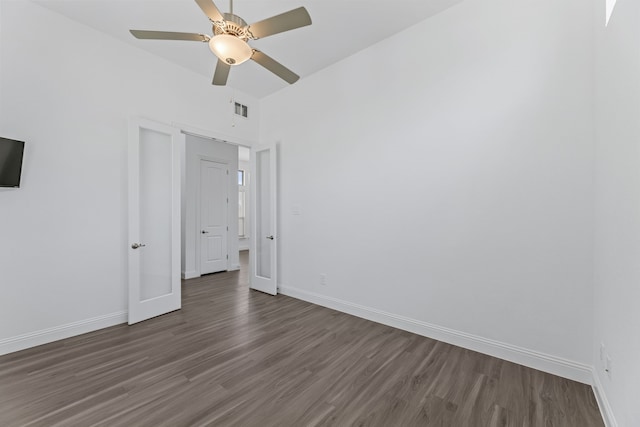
x: 270, y: 237
x: 138, y: 245
x: 205, y: 232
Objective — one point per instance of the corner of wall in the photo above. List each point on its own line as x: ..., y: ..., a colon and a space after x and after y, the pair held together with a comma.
x: 603, y: 402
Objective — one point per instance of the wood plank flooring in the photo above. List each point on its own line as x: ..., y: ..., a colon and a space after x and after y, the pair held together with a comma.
x: 235, y: 357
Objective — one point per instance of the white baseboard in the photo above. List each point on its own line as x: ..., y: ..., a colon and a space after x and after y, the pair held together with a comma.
x: 544, y: 362
x: 192, y: 274
x: 234, y: 267
x: 603, y: 402
x: 32, y: 339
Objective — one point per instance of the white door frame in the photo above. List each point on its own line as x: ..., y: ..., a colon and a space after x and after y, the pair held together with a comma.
x: 187, y: 129
x: 144, y: 309
x: 198, y: 252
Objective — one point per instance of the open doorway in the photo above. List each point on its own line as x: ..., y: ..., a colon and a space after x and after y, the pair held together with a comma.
x: 215, y: 205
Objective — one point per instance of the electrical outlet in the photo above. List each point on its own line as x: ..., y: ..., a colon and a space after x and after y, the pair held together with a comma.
x: 323, y: 279
x: 603, y: 351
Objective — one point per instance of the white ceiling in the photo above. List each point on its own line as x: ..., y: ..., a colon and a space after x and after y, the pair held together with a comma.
x: 340, y: 28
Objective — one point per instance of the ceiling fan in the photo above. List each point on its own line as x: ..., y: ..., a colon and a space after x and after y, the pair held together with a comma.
x: 231, y: 34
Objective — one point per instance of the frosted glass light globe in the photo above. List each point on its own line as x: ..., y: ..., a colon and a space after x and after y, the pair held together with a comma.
x: 230, y: 49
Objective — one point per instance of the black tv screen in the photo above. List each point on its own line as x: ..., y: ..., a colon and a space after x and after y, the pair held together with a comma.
x: 10, y: 162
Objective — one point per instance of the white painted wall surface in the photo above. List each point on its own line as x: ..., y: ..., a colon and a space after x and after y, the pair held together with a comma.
x: 617, y: 243
x: 196, y: 148
x: 445, y: 175
x: 68, y: 91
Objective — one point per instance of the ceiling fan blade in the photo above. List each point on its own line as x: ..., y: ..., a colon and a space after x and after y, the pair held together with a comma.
x: 210, y: 9
x: 221, y: 74
x: 275, y: 67
x: 169, y: 35
x: 291, y: 20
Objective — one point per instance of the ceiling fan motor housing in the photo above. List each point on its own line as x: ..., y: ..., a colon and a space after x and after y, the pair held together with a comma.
x: 233, y: 25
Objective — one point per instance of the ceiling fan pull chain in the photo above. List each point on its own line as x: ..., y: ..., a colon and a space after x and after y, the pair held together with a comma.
x: 231, y: 6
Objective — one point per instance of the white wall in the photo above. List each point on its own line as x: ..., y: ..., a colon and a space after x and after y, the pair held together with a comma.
x: 68, y: 91
x: 196, y: 148
x: 617, y: 244
x: 444, y: 179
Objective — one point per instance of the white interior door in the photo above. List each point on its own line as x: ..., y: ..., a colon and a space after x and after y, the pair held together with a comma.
x: 214, y: 225
x: 264, y: 253
x: 154, y: 219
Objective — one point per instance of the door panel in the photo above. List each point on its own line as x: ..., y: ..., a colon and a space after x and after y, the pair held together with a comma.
x: 213, y: 216
x: 264, y: 242
x: 154, y: 219
x: 263, y: 225
x: 155, y: 214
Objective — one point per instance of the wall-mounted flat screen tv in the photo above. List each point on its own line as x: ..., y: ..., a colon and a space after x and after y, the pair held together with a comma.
x: 11, y: 152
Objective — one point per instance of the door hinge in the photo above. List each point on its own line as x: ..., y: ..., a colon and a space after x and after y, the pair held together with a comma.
x: 227, y: 256
x: 227, y: 171
x: 227, y: 228
x: 227, y: 200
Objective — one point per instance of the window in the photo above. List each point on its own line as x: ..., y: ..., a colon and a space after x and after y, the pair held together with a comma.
x: 242, y: 204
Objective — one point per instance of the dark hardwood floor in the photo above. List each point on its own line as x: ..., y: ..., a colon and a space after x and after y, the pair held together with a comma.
x: 235, y: 357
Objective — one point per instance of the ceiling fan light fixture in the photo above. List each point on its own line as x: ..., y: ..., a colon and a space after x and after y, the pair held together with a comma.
x: 230, y: 49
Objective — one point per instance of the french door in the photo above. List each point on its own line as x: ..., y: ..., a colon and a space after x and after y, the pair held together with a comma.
x: 264, y: 244
x: 154, y: 219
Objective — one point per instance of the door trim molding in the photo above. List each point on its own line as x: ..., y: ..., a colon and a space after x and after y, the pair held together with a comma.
x: 209, y: 134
